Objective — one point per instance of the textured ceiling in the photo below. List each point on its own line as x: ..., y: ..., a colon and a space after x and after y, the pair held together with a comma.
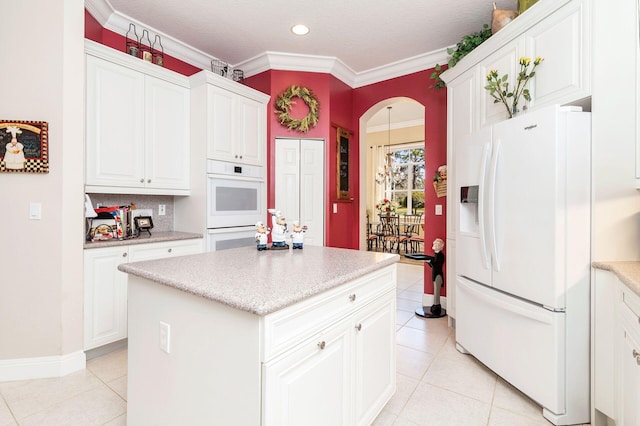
x: 363, y: 34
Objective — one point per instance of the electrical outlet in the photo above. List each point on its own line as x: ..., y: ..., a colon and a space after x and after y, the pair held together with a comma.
x: 162, y: 210
x: 165, y: 337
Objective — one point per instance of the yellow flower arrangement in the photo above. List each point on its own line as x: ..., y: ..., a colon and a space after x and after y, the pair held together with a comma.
x: 498, y: 87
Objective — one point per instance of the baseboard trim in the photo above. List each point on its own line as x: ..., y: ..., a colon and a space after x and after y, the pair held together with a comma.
x: 41, y: 367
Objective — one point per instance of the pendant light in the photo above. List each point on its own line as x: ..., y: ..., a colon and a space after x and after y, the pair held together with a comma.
x: 385, y: 172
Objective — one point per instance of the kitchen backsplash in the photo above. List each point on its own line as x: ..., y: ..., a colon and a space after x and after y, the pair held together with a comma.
x: 147, y: 202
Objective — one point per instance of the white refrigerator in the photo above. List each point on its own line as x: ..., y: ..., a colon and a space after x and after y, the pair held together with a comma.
x: 523, y: 256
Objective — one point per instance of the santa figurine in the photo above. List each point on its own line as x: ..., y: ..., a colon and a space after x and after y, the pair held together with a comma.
x: 261, y: 236
x: 297, y: 236
x: 278, y: 229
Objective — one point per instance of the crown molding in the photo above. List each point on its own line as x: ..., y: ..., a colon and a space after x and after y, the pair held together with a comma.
x: 117, y: 22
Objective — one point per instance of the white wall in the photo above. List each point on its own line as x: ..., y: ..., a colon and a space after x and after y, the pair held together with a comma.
x: 42, y: 78
x: 616, y: 217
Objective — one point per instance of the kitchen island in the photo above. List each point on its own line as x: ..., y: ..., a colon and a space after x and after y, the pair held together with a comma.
x: 249, y: 337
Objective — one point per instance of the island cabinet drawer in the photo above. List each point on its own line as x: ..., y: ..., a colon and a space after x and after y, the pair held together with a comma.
x: 287, y: 327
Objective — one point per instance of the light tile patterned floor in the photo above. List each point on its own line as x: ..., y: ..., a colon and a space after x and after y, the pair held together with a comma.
x: 436, y: 385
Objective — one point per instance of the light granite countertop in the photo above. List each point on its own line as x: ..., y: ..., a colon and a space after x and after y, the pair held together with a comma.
x: 628, y: 272
x: 261, y: 282
x: 144, y: 238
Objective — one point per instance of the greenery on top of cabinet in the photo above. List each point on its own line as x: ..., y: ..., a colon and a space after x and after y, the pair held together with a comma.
x: 462, y: 49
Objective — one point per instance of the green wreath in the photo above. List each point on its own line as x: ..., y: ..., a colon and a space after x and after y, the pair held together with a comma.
x: 283, y: 109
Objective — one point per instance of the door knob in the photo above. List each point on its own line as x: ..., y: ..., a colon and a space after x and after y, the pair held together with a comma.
x: 358, y: 327
x: 352, y: 297
x: 321, y: 345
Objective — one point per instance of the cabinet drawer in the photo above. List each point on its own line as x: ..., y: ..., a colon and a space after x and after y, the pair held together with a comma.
x: 630, y: 312
x: 164, y: 249
x: 286, y: 327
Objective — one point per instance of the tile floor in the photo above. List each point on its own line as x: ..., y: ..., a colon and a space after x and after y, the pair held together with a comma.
x: 436, y: 385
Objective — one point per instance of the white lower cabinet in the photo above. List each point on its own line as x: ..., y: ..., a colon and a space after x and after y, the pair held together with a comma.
x: 629, y: 359
x: 311, y: 384
x: 342, y: 376
x: 105, y: 288
x: 615, y: 352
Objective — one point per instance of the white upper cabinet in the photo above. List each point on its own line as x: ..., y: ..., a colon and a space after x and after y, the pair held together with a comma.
x: 557, y: 31
x: 506, y: 61
x: 234, y: 125
x: 137, y: 124
x: 561, y: 39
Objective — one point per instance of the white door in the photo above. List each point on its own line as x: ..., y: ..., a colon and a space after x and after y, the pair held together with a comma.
x: 300, y: 185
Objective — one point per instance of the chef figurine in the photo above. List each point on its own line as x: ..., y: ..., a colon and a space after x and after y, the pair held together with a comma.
x: 297, y: 236
x: 261, y: 236
x: 278, y: 229
x: 436, y: 263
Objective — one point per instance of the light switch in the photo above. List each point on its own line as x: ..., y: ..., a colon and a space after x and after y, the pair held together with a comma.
x: 335, y: 207
x: 35, y: 211
x: 438, y: 209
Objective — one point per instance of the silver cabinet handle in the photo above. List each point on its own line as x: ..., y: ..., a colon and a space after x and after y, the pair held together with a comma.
x: 142, y: 180
x: 124, y: 254
x: 358, y: 327
x: 148, y: 180
x: 352, y: 297
x: 236, y: 155
x: 169, y: 250
x: 241, y: 156
x: 322, y: 345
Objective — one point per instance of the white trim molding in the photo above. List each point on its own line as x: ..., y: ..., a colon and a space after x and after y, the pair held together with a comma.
x: 41, y: 367
x: 117, y: 22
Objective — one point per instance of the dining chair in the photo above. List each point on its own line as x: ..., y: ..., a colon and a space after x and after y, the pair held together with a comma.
x: 413, y: 224
x: 392, y: 239
x: 373, y: 234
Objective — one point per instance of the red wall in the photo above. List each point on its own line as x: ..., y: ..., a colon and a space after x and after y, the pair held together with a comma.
x: 416, y: 87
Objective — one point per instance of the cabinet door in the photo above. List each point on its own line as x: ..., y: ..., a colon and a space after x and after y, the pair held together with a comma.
x: 167, y: 140
x: 105, y: 296
x: 629, y: 361
x: 505, y: 61
x: 114, y: 125
x: 375, y: 360
x: 604, y: 299
x: 220, y: 142
x: 251, y: 131
x: 162, y: 250
x: 562, y: 40
x: 311, y: 385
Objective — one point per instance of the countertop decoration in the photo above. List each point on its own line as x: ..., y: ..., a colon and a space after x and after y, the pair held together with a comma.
x: 285, y: 102
x: 498, y: 87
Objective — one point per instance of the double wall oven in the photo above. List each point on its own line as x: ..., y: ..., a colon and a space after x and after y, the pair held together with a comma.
x: 236, y: 200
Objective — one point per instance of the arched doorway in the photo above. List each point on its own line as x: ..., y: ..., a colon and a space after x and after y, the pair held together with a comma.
x: 382, y: 131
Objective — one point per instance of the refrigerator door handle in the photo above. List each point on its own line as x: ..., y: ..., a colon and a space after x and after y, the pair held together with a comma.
x: 481, y: 204
x: 493, y: 170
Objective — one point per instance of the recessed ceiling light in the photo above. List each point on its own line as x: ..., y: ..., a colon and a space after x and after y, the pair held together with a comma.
x: 300, y: 29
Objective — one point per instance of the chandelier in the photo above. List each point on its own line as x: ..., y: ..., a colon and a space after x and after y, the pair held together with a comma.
x: 389, y: 173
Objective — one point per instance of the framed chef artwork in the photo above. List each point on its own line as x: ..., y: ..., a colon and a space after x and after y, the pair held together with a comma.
x: 24, y: 146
